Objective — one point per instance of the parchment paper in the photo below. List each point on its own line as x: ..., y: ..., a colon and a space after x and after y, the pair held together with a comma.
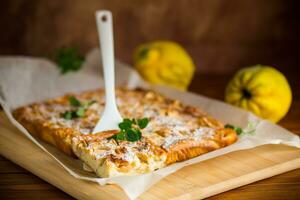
x: 25, y: 80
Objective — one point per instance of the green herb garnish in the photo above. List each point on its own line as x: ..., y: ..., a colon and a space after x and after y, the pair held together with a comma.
x: 74, y: 102
x: 68, y: 59
x: 80, y: 112
x: 80, y: 108
x: 241, y: 131
x: 130, y: 129
x: 238, y: 130
x: 68, y: 115
x: 142, y: 123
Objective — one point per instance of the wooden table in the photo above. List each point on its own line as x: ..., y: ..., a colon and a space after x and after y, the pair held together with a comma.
x: 17, y: 183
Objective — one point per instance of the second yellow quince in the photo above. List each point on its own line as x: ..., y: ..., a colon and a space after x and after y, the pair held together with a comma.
x: 262, y: 90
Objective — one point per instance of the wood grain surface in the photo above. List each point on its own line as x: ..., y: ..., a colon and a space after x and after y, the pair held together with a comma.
x: 17, y: 183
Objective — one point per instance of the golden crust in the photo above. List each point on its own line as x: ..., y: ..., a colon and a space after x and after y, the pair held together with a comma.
x: 59, y: 137
x: 187, y: 149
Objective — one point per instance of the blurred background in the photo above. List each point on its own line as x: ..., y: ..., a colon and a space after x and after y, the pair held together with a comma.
x: 221, y: 36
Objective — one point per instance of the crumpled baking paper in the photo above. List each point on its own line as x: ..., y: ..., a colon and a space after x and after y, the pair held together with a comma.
x: 24, y: 80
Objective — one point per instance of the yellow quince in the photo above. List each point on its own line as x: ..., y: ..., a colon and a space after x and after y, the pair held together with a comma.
x: 262, y: 90
x: 164, y: 63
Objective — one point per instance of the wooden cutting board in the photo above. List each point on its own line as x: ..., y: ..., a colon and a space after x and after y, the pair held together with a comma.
x: 193, y: 182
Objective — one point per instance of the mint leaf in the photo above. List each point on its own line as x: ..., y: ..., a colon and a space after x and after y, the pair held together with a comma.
x: 129, y: 132
x: 120, y: 136
x: 138, y: 134
x: 88, y: 103
x: 237, y: 129
x: 80, y: 108
x: 80, y: 112
x: 74, y: 101
x: 131, y: 135
x: 68, y: 59
x: 142, y: 123
x: 67, y: 115
x: 126, y: 124
x: 91, y: 102
x: 229, y: 126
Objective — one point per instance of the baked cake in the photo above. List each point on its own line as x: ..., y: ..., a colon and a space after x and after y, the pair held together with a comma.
x: 175, y: 131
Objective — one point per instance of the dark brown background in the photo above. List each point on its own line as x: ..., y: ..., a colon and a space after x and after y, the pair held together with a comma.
x: 220, y: 35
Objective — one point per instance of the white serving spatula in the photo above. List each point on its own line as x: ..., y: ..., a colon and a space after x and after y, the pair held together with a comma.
x: 111, y: 117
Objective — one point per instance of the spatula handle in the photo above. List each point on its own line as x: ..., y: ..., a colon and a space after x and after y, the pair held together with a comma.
x: 105, y: 31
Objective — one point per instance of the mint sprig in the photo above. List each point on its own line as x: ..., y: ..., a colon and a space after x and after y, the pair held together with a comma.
x: 241, y: 131
x: 68, y: 59
x: 238, y: 130
x: 130, y: 129
x: 74, y: 102
x: 79, y: 111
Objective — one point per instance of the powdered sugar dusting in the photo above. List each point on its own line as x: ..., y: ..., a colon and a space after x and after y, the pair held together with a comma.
x: 203, y: 133
x: 171, y: 140
x: 128, y: 155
